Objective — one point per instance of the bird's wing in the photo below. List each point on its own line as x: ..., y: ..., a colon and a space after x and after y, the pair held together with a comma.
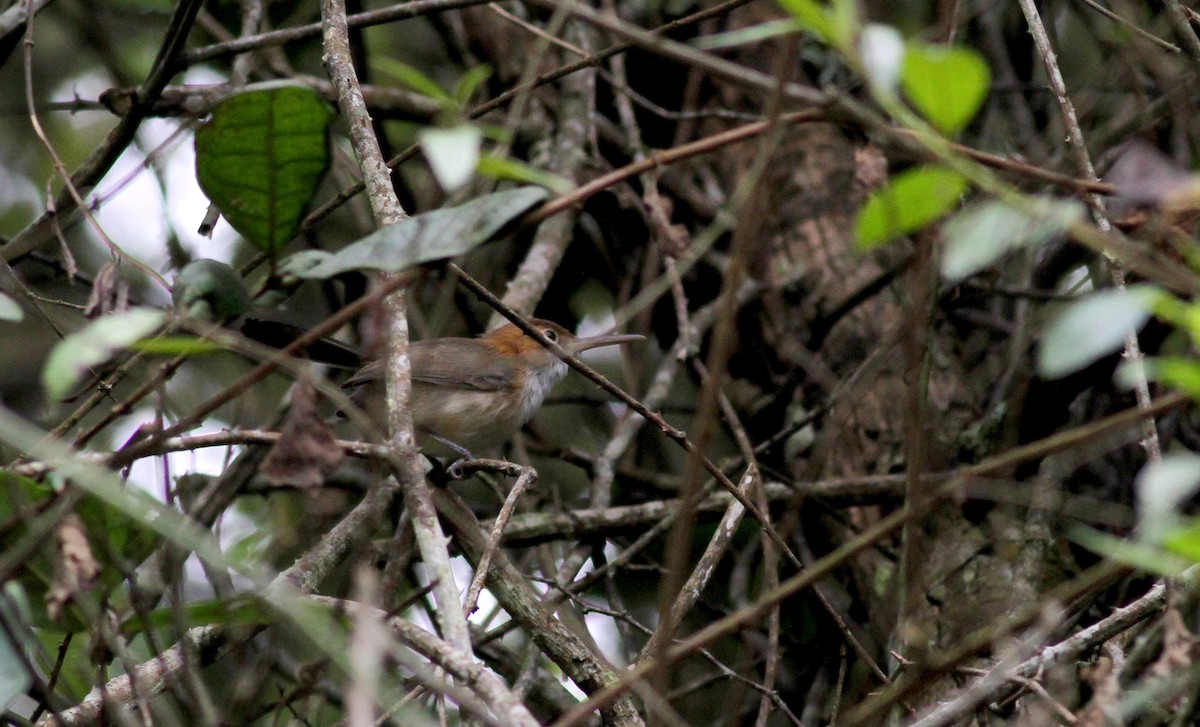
x: 433, y: 359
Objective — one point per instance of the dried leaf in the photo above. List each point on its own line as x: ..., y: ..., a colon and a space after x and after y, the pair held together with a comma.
x: 75, y: 569
x: 110, y: 293
x: 1148, y: 179
x: 307, y: 451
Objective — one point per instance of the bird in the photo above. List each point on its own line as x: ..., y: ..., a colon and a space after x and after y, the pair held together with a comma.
x: 473, y: 394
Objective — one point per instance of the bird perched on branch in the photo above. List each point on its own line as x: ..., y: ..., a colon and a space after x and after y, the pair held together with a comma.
x: 475, y: 393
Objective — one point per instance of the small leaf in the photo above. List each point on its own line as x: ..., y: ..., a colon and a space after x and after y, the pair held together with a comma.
x: 1184, y: 540
x: 947, y: 85
x: 1148, y: 179
x: 1090, y: 328
x: 912, y: 200
x: 176, y: 346
x: 452, y: 153
x: 260, y: 159
x: 10, y: 309
x: 14, y: 674
x: 413, y: 78
x: 306, y: 452
x: 746, y: 36
x: 1143, y: 556
x: 812, y: 16
x: 1177, y: 372
x: 496, y: 167
x: 881, y: 48
x: 844, y: 21
x: 430, y: 236
x: 76, y: 354
x: 1161, y: 488
x: 292, y: 268
x: 979, y: 235
x: 470, y: 81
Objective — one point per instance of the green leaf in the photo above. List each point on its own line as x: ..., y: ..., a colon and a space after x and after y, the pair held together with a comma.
x: 1090, y: 328
x: 909, y: 202
x: 10, y: 309
x: 431, y: 236
x: 14, y: 675
x: 812, y: 16
x: 76, y: 354
x: 844, y: 20
x: 1162, y: 487
x: 1182, y: 374
x: 470, y: 82
x: 413, y: 78
x: 1184, y: 540
x: 947, y: 85
x: 496, y: 167
x: 211, y: 290
x: 177, y: 346
x: 980, y: 234
x: 749, y: 34
x: 452, y: 153
x: 1144, y: 556
x: 260, y: 159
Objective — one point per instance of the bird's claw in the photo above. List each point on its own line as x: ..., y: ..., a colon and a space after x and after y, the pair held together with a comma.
x: 455, y: 468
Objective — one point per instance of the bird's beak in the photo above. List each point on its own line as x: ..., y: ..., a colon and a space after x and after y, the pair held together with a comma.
x: 579, y: 345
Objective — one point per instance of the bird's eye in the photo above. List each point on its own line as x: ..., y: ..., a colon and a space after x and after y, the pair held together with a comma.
x: 550, y: 334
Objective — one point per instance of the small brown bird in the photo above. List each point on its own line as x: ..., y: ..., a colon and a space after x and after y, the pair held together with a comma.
x: 475, y: 393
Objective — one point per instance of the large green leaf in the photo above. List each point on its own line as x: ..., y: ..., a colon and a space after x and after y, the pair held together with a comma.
x: 913, y: 199
x: 947, y: 85
x: 422, y: 238
x: 261, y: 157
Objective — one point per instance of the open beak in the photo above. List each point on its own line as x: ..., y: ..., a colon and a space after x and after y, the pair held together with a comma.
x: 579, y: 345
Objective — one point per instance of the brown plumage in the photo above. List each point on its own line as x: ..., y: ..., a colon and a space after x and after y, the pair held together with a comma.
x: 472, y: 394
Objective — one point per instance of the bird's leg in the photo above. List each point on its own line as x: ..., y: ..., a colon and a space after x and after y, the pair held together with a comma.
x: 454, y: 469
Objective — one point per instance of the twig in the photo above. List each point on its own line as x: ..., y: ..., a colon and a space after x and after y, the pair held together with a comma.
x: 405, y: 460
x: 1083, y: 164
x: 527, y: 476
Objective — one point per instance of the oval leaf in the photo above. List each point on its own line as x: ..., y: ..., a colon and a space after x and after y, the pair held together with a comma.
x: 452, y: 153
x: 911, y: 200
x: 76, y: 354
x: 1161, y: 488
x: 811, y: 15
x: 882, y: 50
x: 979, y: 235
x: 260, y: 159
x: 1089, y: 329
x: 1177, y: 372
x: 177, y: 346
x: 431, y: 236
x: 947, y: 85
x: 14, y: 675
x: 10, y: 309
